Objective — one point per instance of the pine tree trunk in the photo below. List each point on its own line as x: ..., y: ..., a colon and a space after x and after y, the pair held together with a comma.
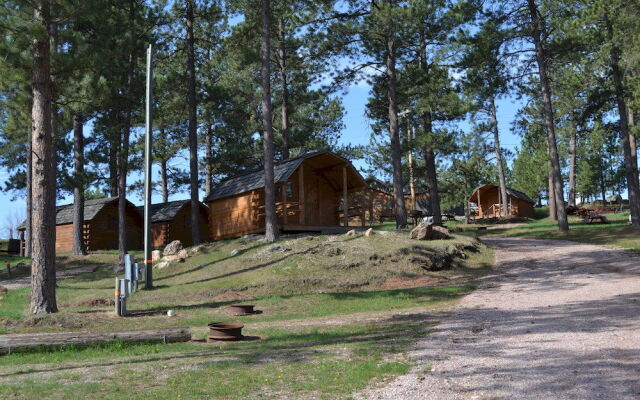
x: 630, y: 164
x: 284, y: 107
x: 432, y: 173
x: 164, y: 181
x: 537, y: 25
x: 499, y: 158
x: 552, y: 196
x: 78, y: 247
x: 28, y: 234
x: 572, y: 163
x: 271, y: 219
x: 113, y: 167
x: 208, y: 142
x: 394, y: 136
x: 192, y: 109
x: 43, y: 257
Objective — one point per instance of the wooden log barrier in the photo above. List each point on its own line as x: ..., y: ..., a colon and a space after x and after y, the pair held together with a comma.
x: 11, y: 343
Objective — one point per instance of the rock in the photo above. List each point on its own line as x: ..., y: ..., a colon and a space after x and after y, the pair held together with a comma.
x: 183, y: 254
x: 198, y: 249
x: 333, y: 251
x: 440, y: 232
x: 173, y: 248
x: 234, y: 252
x: 422, y: 232
x: 352, y: 232
x: 368, y: 232
x: 170, y: 313
x: 156, y: 255
x: 163, y: 264
x: 277, y: 248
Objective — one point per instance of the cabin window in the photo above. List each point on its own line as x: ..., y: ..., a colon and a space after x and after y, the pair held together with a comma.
x: 187, y: 220
x: 113, y: 223
x: 278, y: 192
x: 289, y: 189
x: 390, y: 204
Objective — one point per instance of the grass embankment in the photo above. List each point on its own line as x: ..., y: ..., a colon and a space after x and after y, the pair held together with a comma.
x: 617, y: 233
x: 358, y: 283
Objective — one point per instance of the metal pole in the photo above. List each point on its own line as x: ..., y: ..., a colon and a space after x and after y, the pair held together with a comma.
x: 148, y: 282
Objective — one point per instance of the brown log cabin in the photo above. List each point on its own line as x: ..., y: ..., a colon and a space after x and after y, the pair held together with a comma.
x: 311, y: 193
x: 379, y: 204
x: 100, y: 226
x: 172, y: 221
x: 488, y: 200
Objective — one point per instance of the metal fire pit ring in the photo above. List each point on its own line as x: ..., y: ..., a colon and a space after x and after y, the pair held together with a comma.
x: 225, y: 331
x: 242, y: 309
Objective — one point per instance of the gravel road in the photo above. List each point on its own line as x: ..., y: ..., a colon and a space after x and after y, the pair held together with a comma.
x: 557, y: 320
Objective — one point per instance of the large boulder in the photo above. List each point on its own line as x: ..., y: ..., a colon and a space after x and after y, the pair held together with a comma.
x: 422, y: 232
x: 173, y: 248
x: 156, y: 255
x: 368, y: 232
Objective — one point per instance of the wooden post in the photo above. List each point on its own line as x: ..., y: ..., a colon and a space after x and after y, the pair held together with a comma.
x: 301, y: 193
x: 345, y: 195
x: 284, y: 203
x: 479, y: 205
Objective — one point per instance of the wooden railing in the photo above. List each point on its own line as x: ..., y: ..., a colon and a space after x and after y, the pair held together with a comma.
x: 496, y: 210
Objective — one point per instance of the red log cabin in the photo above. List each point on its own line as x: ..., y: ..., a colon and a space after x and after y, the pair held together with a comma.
x: 172, y: 221
x: 100, y: 226
x: 311, y: 192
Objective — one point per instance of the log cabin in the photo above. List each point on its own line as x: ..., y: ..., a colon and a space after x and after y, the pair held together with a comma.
x: 488, y: 200
x: 312, y: 191
x: 380, y: 205
x: 172, y: 221
x: 100, y: 226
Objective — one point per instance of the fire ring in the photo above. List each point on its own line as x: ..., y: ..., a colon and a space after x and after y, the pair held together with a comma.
x: 242, y: 309
x: 225, y: 331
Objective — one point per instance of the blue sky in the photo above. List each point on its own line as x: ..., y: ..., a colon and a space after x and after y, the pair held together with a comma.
x: 356, y: 131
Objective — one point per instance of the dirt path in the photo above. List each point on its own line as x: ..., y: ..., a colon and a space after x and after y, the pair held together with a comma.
x: 25, y: 281
x: 558, y: 320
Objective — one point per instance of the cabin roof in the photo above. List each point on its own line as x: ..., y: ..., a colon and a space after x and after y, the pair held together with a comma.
x: 255, y: 180
x: 511, y: 192
x: 162, y: 212
x: 64, y: 213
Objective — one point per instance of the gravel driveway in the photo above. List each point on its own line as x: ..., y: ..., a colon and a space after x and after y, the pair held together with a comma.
x: 557, y: 320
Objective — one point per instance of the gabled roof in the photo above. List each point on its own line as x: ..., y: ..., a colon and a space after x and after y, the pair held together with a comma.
x: 377, y: 184
x: 64, y: 214
x: 510, y: 192
x: 162, y: 212
x: 255, y: 180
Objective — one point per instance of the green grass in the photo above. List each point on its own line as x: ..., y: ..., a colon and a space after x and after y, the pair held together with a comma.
x: 617, y: 233
x: 334, y: 280
x: 318, y: 362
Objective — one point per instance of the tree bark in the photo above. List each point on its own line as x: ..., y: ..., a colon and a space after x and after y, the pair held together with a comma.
x: 271, y: 219
x: 43, y: 267
x: 164, y: 181
x: 499, y: 158
x: 572, y: 162
x: 538, y: 28
x: 113, y: 167
x: 430, y: 165
x: 208, y: 142
x: 394, y: 136
x: 28, y: 234
x: 284, y: 106
x: 192, y: 110
x: 78, y: 247
x: 552, y: 197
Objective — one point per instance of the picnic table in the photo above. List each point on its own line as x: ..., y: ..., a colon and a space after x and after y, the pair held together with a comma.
x: 595, y: 216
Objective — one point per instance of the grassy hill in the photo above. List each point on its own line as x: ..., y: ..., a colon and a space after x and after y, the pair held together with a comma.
x: 337, y: 311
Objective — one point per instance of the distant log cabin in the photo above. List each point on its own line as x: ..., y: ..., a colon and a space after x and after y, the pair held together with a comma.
x: 487, y: 198
x: 310, y: 192
x: 100, y: 226
x: 379, y: 204
x: 172, y: 221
